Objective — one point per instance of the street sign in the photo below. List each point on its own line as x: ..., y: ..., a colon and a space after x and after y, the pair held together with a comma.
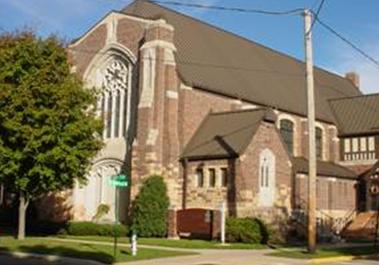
x: 119, y: 181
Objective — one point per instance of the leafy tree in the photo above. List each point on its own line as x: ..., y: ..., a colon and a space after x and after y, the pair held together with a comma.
x: 150, y: 208
x: 48, y: 129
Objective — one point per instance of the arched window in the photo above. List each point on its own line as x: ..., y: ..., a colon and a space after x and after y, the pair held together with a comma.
x: 113, y: 103
x: 286, y: 130
x: 318, y: 142
x: 266, y: 178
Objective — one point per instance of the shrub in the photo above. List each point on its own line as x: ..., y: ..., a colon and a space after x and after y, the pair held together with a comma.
x: 44, y: 227
x: 93, y: 229
x: 244, y: 230
x: 102, y: 210
x: 150, y: 208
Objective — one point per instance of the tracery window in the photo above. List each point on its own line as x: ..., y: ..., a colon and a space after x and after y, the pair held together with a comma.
x: 113, y: 102
x: 286, y: 130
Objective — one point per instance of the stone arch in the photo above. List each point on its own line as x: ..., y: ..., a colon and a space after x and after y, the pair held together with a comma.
x: 111, y: 71
x: 97, y: 190
x: 285, y: 117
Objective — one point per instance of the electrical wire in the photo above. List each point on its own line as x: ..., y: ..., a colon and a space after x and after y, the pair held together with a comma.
x: 316, y: 15
x: 348, y: 42
x: 295, y: 11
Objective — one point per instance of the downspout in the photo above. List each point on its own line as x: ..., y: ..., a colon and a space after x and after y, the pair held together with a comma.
x: 185, y: 177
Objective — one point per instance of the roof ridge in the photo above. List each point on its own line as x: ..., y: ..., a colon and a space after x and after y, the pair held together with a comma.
x: 224, y: 31
x: 238, y: 111
x: 356, y: 96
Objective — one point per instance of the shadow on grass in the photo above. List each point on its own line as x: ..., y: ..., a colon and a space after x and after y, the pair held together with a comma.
x: 94, y: 254
x: 329, y: 252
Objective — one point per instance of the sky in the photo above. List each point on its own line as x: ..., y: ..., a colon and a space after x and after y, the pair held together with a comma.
x: 357, y: 20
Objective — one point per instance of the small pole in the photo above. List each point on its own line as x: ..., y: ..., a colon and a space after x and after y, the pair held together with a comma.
x: 222, y: 222
x: 115, y: 224
x: 311, y: 132
x: 377, y: 222
x: 134, y: 244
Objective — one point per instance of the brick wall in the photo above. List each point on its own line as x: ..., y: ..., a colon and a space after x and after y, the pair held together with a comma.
x: 335, y: 196
x: 247, y: 181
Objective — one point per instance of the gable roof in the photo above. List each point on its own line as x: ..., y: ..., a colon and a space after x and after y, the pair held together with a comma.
x: 324, y: 168
x: 218, y: 61
x: 225, y: 134
x: 357, y: 115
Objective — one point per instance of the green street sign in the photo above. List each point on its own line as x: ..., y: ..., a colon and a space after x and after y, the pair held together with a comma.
x: 119, y: 181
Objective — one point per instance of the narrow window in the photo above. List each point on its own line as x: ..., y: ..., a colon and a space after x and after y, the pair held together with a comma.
x: 363, y: 144
x: 347, y: 145
x: 355, y: 145
x: 200, y: 177
x: 267, y: 175
x: 318, y: 143
x: 117, y: 115
x: 224, y: 177
x: 212, y: 177
x: 286, y: 130
x: 371, y: 144
x: 109, y: 116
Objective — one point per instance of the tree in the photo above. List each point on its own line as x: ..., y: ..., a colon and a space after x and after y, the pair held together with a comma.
x: 49, y: 132
x: 150, y: 208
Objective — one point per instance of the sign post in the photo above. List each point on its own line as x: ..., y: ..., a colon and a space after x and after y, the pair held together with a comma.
x: 118, y: 181
x: 223, y: 222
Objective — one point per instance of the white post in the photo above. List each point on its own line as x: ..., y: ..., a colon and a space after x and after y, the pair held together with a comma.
x: 223, y: 222
x: 311, y: 133
x: 134, y: 244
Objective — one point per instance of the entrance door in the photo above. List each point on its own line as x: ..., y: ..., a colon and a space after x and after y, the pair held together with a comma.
x: 266, y: 178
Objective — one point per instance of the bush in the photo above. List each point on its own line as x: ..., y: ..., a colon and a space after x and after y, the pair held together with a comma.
x: 244, y: 230
x: 93, y: 229
x: 44, y: 227
x: 150, y: 209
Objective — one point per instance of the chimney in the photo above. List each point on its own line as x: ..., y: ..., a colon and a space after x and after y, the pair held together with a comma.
x: 354, y: 78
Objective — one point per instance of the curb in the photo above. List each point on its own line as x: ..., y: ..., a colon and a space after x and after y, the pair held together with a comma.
x: 339, y: 259
x: 51, y: 258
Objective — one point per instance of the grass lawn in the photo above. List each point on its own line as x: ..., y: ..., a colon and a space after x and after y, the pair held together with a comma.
x: 79, y: 250
x: 325, y: 252
x: 183, y: 243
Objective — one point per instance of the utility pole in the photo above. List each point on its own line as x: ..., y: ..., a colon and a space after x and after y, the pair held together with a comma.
x: 311, y: 132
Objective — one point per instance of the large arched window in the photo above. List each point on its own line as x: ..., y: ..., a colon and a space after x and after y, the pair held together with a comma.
x: 318, y: 142
x: 113, y: 103
x: 286, y: 130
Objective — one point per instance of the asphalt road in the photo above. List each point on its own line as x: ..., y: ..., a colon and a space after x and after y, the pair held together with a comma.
x: 5, y: 260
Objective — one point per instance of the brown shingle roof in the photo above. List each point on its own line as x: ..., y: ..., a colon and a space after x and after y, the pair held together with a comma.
x: 215, y: 60
x: 357, y: 115
x: 324, y: 168
x: 225, y: 134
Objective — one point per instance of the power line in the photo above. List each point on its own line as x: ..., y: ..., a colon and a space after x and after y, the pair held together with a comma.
x: 316, y: 15
x: 295, y: 11
x: 199, y: 64
x: 348, y: 42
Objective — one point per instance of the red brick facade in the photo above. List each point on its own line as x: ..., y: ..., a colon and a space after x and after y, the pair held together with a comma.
x: 166, y: 114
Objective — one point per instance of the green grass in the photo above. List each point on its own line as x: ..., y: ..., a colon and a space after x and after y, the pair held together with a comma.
x: 79, y: 250
x: 163, y: 242
x: 325, y: 252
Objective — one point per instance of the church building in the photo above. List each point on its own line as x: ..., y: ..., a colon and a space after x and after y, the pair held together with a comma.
x: 221, y: 118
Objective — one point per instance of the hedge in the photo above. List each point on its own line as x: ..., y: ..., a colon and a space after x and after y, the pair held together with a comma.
x: 94, y: 229
x: 245, y: 230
